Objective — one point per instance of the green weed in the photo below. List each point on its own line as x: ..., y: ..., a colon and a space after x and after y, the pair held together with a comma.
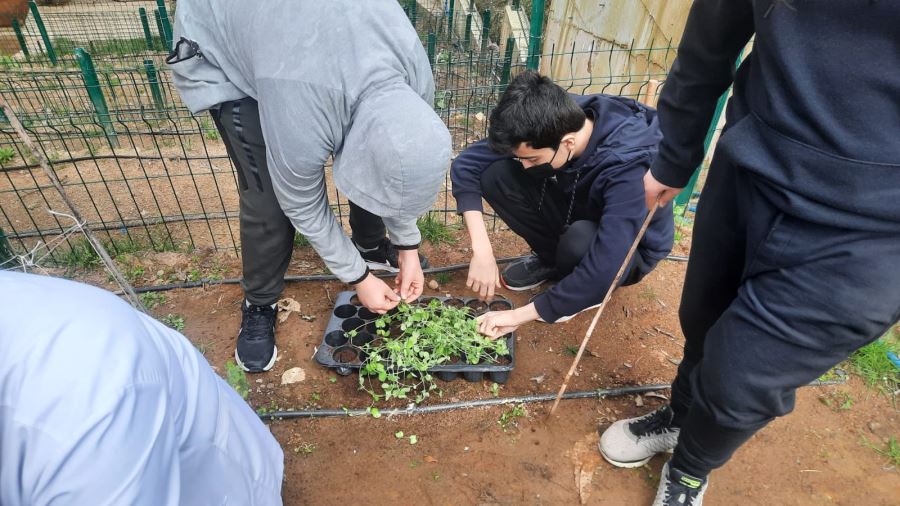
x: 510, y: 419
x: 7, y: 154
x: 434, y: 230
x: 81, y: 255
x: 236, y: 377
x: 891, y: 450
x: 300, y: 240
x: 443, y: 277
x: 173, y: 320
x: 873, y: 365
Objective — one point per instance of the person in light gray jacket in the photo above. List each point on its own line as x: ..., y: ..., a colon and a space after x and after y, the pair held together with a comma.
x: 290, y: 84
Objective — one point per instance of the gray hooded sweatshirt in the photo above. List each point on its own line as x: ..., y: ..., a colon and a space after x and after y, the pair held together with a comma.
x: 342, y: 78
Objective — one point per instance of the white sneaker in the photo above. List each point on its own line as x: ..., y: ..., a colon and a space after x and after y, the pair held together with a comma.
x: 633, y: 442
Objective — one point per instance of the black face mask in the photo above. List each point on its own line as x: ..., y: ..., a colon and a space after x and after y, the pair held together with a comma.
x: 545, y: 170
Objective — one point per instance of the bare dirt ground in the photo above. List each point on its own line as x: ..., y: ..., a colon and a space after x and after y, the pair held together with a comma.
x: 814, y: 456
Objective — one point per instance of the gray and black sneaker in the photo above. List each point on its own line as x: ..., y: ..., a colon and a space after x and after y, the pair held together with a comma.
x: 256, y: 351
x: 679, y: 489
x: 384, y: 257
x: 527, y: 273
x: 634, y: 441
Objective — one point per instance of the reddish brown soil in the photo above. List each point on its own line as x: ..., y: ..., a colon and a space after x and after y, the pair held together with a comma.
x: 814, y: 456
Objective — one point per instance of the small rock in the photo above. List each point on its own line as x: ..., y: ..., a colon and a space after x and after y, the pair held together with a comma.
x: 259, y: 380
x: 433, y: 284
x: 270, y: 385
x: 874, y: 426
x: 292, y: 375
x: 638, y: 401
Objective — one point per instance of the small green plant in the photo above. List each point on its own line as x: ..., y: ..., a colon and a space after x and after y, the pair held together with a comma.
x: 236, y: 377
x: 874, y: 366
x: 510, y: 419
x: 415, y: 338
x: 838, y: 401
x: 443, y: 277
x: 272, y: 407
x: 332, y: 379
x: 300, y: 240
x: 81, y: 255
x: 891, y: 450
x: 571, y: 350
x: 152, y: 299
x: 209, y: 131
x: 7, y: 154
x: 305, y: 449
x: 434, y: 230
x: 173, y: 320
x: 495, y: 389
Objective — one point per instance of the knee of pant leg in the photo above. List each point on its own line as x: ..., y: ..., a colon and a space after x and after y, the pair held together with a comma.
x: 495, y: 178
x: 736, y: 399
x: 574, y: 244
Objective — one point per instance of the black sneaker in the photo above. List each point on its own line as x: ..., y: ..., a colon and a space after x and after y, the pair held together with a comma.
x: 679, y: 489
x: 527, y: 273
x: 384, y: 257
x: 256, y: 350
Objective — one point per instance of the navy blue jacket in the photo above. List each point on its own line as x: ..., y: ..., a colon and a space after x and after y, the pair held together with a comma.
x: 815, y: 113
x: 610, y: 191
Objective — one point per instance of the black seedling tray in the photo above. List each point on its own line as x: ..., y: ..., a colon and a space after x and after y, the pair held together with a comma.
x: 342, y: 353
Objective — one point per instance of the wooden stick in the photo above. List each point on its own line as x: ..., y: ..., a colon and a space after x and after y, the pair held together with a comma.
x: 590, y: 330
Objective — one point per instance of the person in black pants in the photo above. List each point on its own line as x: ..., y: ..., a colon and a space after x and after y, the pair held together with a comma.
x: 565, y: 173
x: 794, y: 255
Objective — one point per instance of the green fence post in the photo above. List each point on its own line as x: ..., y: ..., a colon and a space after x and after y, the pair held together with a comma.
x: 507, y: 64
x: 432, y: 42
x: 20, y: 37
x: 450, y: 21
x: 48, y: 46
x: 145, y: 24
x: 166, y: 25
x: 485, y: 28
x: 535, y: 40
x: 159, y: 26
x: 467, y: 39
x: 92, y: 85
x: 413, y: 15
x: 153, y: 80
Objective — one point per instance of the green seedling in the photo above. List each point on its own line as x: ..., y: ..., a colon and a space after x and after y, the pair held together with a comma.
x: 236, y: 377
x: 510, y: 419
x: 7, y: 154
x: 443, y: 277
x: 173, y: 320
x: 434, y: 230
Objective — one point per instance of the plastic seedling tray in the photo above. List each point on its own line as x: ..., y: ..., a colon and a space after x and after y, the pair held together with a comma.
x: 345, y: 354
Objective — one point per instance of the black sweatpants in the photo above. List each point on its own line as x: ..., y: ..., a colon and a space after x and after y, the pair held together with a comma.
x: 267, y: 235
x: 770, y: 303
x: 541, y: 219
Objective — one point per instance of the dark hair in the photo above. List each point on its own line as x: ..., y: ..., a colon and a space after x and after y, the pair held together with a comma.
x: 533, y: 110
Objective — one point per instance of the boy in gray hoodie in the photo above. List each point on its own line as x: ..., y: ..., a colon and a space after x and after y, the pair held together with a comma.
x: 289, y: 84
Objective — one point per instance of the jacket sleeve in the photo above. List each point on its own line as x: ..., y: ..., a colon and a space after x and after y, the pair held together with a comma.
x: 714, y: 35
x: 298, y: 142
x: 465, y: 174
x: 622, y: 192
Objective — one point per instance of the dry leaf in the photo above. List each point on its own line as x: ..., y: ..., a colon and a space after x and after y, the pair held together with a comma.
x: 430, y: 459
x: 287, y: 306
x: 293, y: 375
x: 586, y: 460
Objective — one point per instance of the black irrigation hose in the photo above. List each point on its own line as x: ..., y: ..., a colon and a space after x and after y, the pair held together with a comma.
x: 324, y: 277
x: 418, y: 410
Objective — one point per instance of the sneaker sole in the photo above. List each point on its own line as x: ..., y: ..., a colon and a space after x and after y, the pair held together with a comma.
x: 264, y: 369
x: 523, y: 288
x: 564, y: 319
x: 626, y: 465
x: 378, y: 266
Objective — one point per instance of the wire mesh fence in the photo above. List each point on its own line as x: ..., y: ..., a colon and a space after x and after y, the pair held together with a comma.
x: 147, y: 172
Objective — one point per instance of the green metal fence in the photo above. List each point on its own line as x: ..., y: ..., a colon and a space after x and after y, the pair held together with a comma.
x: 91, y: 88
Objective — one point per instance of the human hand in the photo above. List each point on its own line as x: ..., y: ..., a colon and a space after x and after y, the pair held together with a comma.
x: 410, y: 280
x: 494, y: 324
x: 656, y: 193
x: 484, y: 275
x: 376, y: 295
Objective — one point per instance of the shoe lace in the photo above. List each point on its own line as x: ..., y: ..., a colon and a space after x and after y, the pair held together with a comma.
x: 655, y: 423
x: 258, y: 322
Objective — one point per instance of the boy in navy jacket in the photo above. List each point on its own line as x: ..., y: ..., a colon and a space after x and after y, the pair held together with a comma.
x: 565, y: 173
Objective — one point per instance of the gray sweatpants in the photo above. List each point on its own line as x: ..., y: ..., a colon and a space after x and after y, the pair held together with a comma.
x: 267, y: 235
